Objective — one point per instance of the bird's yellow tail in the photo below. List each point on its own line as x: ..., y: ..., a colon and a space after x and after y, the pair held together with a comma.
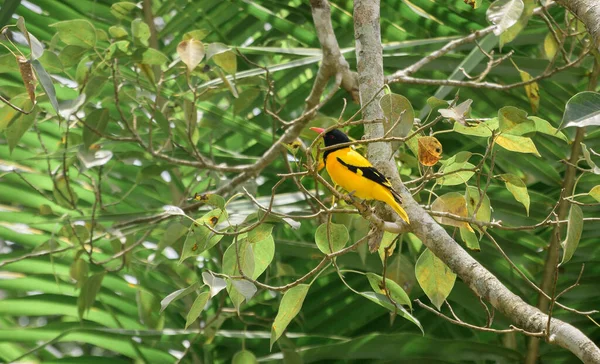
x: 393, y: 199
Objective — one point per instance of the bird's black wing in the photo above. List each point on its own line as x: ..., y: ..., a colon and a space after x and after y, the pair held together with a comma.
x: 372, y: 174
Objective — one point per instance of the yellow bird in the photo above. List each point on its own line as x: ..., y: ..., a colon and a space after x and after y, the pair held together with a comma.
x: 356, y: 174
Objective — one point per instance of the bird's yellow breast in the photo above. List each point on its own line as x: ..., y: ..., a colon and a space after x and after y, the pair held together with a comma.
x: 351, y: 181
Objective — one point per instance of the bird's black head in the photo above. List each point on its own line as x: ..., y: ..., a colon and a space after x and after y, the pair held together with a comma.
x: 333, y: 137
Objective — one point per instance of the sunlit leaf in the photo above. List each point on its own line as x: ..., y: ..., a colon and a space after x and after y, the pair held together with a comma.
x: 191, y: 52
x: 550, y: 46
x: 436, y: 279
x: 514, y: 121
x: 595, y: 193
x: 517, y: 188
x: 582, y: 110
x: 215, y: 284
x: 516, y: 143
x: 453, y: 203
x: 504, y: 14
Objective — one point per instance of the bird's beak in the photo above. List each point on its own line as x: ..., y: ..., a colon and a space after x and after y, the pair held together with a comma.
x: 318, y: 130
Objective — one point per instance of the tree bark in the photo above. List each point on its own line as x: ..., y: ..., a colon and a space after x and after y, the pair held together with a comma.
x: 480, y: 280
x: 588, y: 11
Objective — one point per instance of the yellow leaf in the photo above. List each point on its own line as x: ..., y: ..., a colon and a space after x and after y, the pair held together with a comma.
x: 453, y: 203
x: 550, y: 46
x: 430, y: 150
x: 532, y: 90
x: 516, y: 143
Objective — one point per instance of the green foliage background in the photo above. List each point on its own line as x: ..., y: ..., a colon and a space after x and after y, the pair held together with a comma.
x: 42, y: 296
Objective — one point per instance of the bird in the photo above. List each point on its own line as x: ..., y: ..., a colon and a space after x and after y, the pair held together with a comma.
x: 354, y: 173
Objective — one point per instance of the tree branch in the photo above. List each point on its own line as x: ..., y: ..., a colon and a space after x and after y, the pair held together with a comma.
x: 435, y: 237
x: 588, y: 11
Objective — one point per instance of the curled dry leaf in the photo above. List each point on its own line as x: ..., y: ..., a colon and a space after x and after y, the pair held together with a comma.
x: 191, y: 52
x: 28, y: 76
x: 430, y: 151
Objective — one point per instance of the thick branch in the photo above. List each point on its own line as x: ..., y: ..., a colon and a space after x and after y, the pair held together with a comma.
x: 479, y: 279
x: 588, y: 11
x: 333, y: 61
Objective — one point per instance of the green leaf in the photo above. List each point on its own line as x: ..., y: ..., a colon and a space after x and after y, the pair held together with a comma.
x: 8, y: 114
x: 118, y: 49
x: 483, y: 129
x: 63, y: 193
x: 550, y: 46
x: 396, y: 107
x: 290, y: 306
x: 97, y: 119
x: 455, y: 163
x: 122, y: 10
x: 215, y: 284
x: 140, y: 32
x: 244, y: 357
x: 514, y: 121
x: 71, y: 55
x: 574, y: 231
x: 211, y: 199
x: 588, y: 159
x: 245, y: 99
x: 215, y: 48
x: 595, y: 193
x: 174, y: 296
x: 79, y: 271
x: 504, y: 14
x: 150, y: 56
x: 197, y: 34
x: 248, y: 263
x: 384, y: 302
x: 77, y: 32
x: 197, y: 308
x: 17, y: 129
x: 200, y: 238
x: 191, y: 52
x: 516, y: 143
x: 582, y: 110
x: 227, y: 61
x: 395, y: 291
x: 434, y: 277
x: 517, y: 187
x: 260, y: 233
x: 88, y: 293
x: 336, y: 237
x: 470, y: 239
x: 472, y: 196
x: 117, y: 31
x: 511, y: 33
x: 544, y: 127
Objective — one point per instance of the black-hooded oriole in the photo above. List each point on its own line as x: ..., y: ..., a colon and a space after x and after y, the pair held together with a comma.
x: 354, y: 173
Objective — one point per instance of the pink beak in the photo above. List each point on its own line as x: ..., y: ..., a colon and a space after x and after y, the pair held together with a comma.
x: 318, y: 130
